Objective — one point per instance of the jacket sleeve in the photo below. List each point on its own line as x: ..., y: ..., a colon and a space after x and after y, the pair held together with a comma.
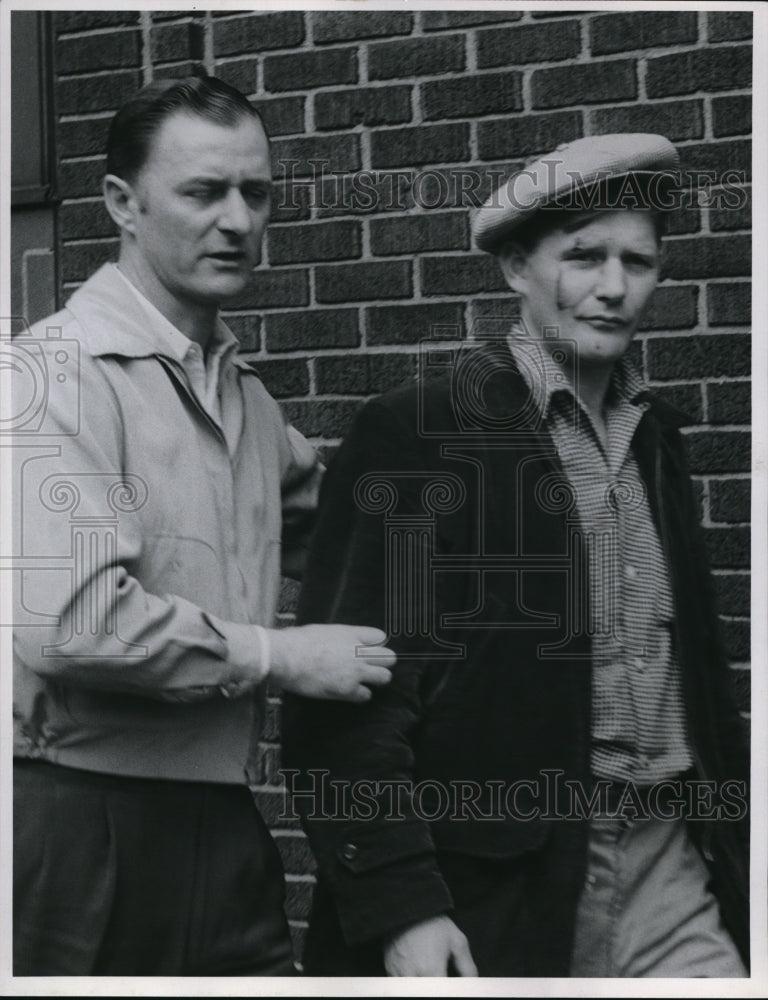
x: 300, y: 490
x: 350, y: 768
x: 96, y: 626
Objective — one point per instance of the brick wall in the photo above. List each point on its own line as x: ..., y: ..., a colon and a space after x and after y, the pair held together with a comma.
x: 414, y: 114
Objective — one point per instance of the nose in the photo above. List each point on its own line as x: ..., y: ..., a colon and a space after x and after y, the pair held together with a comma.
x: 611, y: 283
x: 235, y: 216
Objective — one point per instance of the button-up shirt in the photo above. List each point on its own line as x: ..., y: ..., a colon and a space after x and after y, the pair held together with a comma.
x: 638, y: 717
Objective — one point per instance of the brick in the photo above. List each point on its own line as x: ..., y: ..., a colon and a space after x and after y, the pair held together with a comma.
x: 419, y: 145
x: 271, y: 288
x: 420, y: 233
x: 357, y: 282
x: 729, y: 402
x: 108, y: 50
x: 737, y: 640
x: 270, y: 764
x: 310, y: 156
x: 416, y: 57
x: 284, y: 378
x: 175, y: 42
x: 523, y: 135
x: 686, y: 398
x: 282, y: 115
x: 472, y: 96
x: 713, y: 355
x: 718, y: 157
x: 289, y: 595
x: 586, y: 83
x: 271, y: 803
x: 730, y: 217
x: 729, y: 304
x: 329, y: 418
x: 461, y: 275
x: 729, y: 26
x: 699, y: 69
x: 412, y: 323
x: 367, y: 106
x: 366, y: 191
x: 85, y: 219
x: 271, y: 728
x: 258, y: 32
x: 742, y: 692
x: 363, y: 375
x: 733, y: 593
x: 82, y: 20
x: 79, y: 95
x: 682, y: 220
x: 303, y: 70
x: 314, y: 242
x: 343, y: 27
x: 728, y: 547
x: 457, y: 187
x: 641, y: 30
x: 491, y: 318
x: 673, y: 307
x: 677, y: 120
x: 247, y: 329
x: 176, y: 71
x: 87, y: 137
x: 78, y: 261
x: 243, y: 74
x: 443, y: 19
x: 710, y: 257
x: 732, y: 115
x: 730, y: 500
x: 719, y: 451
x: 528, y: 43
x: 80, y: 178
x: 291, y: 201
x: 298, y: 932
x: 312, y: 330
x: 298, y: 900
x: 296, y: 854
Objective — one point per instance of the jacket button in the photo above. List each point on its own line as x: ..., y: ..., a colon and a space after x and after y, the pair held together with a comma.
x: 349, y: 852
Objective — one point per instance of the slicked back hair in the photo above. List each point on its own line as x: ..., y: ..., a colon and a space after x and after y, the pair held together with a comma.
x: 140, y: 118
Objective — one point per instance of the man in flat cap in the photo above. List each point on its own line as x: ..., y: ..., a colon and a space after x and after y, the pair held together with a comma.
x: 158, y: 511
x: 555, y: 782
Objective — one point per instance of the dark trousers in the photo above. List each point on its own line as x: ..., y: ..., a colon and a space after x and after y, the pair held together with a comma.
x: 134, y: 876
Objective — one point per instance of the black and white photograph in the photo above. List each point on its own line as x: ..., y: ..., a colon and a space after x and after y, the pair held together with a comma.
x: 384, y: 495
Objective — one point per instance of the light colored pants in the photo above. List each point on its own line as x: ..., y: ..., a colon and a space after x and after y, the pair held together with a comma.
x: 645, y: 909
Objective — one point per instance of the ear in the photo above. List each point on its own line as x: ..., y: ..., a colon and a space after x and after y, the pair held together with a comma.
x: 121, y: 201
x: 513, y: 261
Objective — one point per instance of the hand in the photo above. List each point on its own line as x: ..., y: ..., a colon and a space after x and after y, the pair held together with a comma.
x: 330, y: 661
x: 434, y: 947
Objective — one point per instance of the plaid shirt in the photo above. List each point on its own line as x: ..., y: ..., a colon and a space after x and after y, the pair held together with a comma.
x: 638, y: 717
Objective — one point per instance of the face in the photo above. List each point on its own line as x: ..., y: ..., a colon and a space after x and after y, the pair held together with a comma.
x: 592, y: 284
x: 200, y: 205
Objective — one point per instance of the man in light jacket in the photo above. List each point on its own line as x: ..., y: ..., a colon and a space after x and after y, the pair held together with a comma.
x: 162, y: 495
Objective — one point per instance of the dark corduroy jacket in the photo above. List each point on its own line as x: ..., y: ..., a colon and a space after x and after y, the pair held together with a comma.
x: 446, y: 520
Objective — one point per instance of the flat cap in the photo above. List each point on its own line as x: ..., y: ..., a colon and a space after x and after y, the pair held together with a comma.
x: 566, y: 177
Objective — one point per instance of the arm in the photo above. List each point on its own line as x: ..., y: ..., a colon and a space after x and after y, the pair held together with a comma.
x: 373, y: 849
x: 104, y: 630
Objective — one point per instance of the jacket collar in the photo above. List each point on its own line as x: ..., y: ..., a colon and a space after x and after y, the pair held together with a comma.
x: 505, y: 390
x: 116, y: 323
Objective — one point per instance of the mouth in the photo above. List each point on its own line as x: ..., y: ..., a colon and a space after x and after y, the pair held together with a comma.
x: 605, y: 322
x: 235, y: 258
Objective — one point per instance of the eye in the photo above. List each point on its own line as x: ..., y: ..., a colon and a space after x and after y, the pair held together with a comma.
x: 256, y: 195
x: 203, y: 193
x: 639, y: 263
x: 585, y: 255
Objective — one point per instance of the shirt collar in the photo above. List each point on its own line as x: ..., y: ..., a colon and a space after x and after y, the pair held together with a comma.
x: 120, y: 320
x: 545, y: 378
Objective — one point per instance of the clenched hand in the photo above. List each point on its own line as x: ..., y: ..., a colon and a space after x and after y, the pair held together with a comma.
x: 330, y: 661
x: 434, y: 947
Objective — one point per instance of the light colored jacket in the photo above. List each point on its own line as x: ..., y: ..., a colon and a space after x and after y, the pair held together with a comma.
x: 146, y: 549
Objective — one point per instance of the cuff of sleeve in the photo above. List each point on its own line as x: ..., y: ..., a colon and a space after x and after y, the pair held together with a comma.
x: 248, y: 654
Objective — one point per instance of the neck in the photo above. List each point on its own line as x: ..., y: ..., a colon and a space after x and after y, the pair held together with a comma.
x: 195, y: 320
